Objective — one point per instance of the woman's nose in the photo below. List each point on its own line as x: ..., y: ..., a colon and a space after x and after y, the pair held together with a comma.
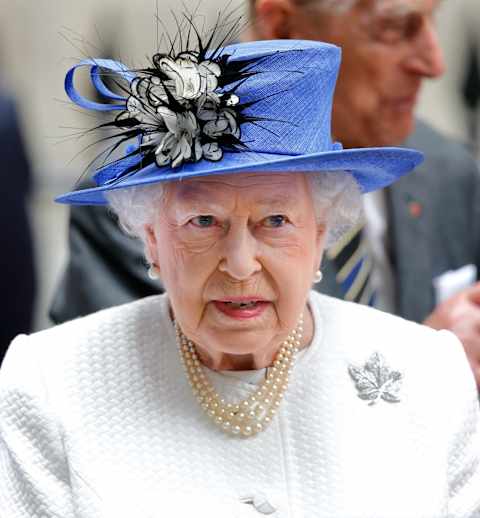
x: 240, y: 253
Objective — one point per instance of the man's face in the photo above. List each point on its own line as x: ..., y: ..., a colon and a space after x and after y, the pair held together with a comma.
x: 389, y: 47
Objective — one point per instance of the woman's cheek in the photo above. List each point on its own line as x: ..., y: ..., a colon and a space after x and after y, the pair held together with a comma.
x: 198, y: 241
x: 190, y: 270
x: 293, y: 240
x: 284, y: 250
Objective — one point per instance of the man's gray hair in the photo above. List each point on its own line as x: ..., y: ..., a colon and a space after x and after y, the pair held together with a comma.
x: 337, y: 6
x: 336, y: 197
x: 343, y: 5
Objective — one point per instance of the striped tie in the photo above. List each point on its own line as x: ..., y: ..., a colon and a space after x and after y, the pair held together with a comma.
x: 354, y: 267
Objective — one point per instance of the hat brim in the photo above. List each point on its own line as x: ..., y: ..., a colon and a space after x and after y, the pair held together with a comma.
x: 372, y: 168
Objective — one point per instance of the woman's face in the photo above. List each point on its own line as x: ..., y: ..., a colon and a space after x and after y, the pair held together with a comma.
x: 237, y: 255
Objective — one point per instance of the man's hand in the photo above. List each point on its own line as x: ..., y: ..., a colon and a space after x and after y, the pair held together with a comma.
x: 461, y: 315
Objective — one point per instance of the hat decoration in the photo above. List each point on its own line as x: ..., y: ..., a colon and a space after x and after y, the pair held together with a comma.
x: 181, y: 109
x: 178, y: 112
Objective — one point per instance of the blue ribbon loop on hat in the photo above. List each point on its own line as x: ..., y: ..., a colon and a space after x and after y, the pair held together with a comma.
x: 97, y: 65
x: 113, y: 171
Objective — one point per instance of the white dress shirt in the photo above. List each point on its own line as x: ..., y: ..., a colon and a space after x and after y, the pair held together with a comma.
x: 376, y: 225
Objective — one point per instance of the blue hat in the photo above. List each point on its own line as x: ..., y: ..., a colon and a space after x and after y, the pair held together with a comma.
x: 250, y: 107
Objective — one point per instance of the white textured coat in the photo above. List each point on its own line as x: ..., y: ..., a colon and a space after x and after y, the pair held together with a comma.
x: 97, y: 420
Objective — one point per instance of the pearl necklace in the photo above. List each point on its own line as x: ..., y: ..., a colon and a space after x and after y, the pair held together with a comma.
x: 255, y: 413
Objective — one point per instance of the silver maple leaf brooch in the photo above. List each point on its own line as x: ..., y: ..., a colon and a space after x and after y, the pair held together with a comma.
x: 375, y: 380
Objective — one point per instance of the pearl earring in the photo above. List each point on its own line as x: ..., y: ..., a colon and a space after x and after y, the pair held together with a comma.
x: 153, y: 272
x: 318, y: 277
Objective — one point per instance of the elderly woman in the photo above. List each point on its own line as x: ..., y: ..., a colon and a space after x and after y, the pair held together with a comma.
x: 239, y: 392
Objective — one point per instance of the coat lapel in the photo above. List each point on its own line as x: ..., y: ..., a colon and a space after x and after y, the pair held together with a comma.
x: 410, y: 226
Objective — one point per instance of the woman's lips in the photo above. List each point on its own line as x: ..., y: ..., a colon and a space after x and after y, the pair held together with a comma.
x: 241, y: 309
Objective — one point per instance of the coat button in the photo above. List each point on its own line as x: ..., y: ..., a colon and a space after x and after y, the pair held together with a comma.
x: 260, y: 503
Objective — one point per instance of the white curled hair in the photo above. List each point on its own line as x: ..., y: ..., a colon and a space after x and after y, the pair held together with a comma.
x: 336, y: 196
x: 338, y: 202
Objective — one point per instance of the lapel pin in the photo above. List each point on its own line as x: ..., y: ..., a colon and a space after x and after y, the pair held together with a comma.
x: 375, y: 380
x: 415, y: 209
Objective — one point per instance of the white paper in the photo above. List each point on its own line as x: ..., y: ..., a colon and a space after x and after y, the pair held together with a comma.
x: 449, y: 283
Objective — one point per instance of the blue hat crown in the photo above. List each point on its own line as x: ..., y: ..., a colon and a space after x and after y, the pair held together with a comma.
x: 291, y: 94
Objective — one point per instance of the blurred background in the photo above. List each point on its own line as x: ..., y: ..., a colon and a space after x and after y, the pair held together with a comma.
x: 40, y: 40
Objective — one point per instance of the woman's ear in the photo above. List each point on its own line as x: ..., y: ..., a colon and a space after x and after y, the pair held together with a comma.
x: 151, y: 250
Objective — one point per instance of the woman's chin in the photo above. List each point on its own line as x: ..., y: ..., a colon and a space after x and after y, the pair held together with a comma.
x: 239, y: 342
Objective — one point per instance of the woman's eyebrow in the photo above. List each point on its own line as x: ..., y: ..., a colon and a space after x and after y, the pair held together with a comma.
x: 204, y: 203
x: 199, y: 204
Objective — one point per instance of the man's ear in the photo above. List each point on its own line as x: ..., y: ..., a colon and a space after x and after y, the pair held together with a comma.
x: 273, y: 19
x: 151, y: 250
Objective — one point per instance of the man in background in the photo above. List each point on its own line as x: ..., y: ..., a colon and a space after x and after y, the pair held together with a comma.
x: 419, y: 251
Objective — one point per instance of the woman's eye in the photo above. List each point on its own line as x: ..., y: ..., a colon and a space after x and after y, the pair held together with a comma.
x: 203, y: 221
x: 275, y: 221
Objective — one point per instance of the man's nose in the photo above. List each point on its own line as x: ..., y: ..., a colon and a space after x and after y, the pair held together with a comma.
x: 240, y: 253
x: 426, y: 57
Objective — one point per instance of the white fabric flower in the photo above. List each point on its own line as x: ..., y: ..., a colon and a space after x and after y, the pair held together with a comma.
x: 143, y: 112
x: 182, y: 117
x: 224, y: 123
x: 176, y: 145
x: 191, y: 78
x: 212, y: 151
x: 152, y: 89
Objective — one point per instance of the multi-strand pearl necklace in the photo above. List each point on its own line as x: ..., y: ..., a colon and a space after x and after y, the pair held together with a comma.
x: 255, y: 413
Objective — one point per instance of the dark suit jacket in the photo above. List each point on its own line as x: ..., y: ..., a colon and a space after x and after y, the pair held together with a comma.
x: 17, y: 283
x: 107, y: 268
